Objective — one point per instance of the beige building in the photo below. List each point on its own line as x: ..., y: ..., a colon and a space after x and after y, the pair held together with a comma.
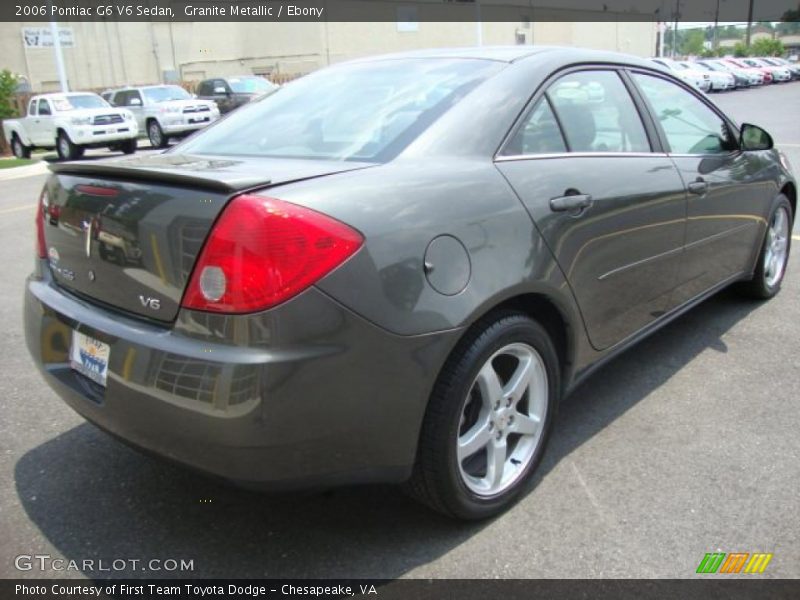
x: 106, y: 54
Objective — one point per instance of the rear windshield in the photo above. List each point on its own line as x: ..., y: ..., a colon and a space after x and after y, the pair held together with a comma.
x: 363, y: 112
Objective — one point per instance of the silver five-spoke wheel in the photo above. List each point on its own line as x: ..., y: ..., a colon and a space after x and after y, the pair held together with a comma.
x: 502, y: 420
x: 777, y: 247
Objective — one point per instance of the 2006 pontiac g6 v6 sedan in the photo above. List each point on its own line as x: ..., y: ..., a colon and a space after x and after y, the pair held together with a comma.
x: 393, y: 269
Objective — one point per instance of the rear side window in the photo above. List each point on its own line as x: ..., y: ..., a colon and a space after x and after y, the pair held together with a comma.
x: 204, y: 89
x: 597, y: 113
x: 690, y: 126
x: 539, y: 133
x: 363, y: 111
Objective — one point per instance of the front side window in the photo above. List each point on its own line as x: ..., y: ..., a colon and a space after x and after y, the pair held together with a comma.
x: 597, y: 113
x: 690, y: 126
x: 122, y: 99
x: 44, y: 107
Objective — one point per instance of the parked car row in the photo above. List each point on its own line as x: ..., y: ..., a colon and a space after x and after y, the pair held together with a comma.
x: 722, y: 74
x: 72, y: 122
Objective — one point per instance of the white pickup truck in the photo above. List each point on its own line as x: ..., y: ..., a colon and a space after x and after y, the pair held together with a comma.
x: 70, y: 123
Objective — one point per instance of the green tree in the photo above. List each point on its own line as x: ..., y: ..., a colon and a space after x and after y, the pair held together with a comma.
x: 692, y: 43
x: 767, y: 47
x: 740, y: 50
x: 731, y: 32
x: 8, y: 85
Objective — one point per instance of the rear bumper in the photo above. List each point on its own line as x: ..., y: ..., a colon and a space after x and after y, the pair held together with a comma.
x: 307, y: 394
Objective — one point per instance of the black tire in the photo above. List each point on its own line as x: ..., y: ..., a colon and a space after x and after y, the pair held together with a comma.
x: 128, y: 146
x: 66, y: 149
x: 760, y: 287
x: 156, y: 135
x: 436, y: 480
x: 19, y: 149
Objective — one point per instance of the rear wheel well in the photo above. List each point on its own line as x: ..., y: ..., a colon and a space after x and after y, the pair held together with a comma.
x: 791, y: 193
x: 541, y: 309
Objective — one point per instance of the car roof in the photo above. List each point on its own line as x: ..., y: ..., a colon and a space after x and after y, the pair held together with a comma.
x: 496, y: 53
x: 517, y: 54
x: 64, y: 94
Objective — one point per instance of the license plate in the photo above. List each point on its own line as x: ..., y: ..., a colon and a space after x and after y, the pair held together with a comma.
x: 89, y: 357
x: 200, y: 120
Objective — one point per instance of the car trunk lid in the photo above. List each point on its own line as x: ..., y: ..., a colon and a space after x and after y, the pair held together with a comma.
x: 127, y: 233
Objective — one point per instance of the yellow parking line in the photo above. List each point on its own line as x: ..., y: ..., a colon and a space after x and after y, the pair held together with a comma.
x: 17, y: 209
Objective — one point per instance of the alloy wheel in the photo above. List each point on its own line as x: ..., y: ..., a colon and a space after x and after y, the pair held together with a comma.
x: 502, y: 420
x: 155, y: 135
x: 777, y: 247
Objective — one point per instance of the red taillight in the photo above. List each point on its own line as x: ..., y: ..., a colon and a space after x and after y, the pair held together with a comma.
x: 41, y: 246
x: 263, y: 251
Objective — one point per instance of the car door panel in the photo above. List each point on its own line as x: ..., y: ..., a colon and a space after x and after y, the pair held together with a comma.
x: 42, y: 124
x: 727, y: 189
x: 621, y: 255
x: 725, y: 224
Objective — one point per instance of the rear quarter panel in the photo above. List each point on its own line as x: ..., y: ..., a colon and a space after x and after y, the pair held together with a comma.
x: 400, y: 208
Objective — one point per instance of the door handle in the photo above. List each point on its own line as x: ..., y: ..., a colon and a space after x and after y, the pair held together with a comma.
x: 571, y: 202
x: 698, y: 187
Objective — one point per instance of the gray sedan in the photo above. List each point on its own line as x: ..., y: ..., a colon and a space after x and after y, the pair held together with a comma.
x: 392, y: 270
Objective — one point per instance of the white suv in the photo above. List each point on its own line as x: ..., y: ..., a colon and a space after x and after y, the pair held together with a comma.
x: 165, y: 111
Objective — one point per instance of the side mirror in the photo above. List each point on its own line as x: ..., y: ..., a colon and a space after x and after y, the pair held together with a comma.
x: 136, y: 101
x: 220, y: 90
x: 752, y: 137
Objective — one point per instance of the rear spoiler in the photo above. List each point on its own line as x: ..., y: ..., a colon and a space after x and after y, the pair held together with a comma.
x: 210, y: 178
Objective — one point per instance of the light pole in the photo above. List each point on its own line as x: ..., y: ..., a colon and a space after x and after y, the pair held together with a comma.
x: 62, y: 72
x: 478, y: 23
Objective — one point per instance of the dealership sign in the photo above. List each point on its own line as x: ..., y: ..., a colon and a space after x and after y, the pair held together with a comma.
x: 42, y: 37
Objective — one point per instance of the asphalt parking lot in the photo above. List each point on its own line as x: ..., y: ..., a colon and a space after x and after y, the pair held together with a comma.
x: 686, y: 445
